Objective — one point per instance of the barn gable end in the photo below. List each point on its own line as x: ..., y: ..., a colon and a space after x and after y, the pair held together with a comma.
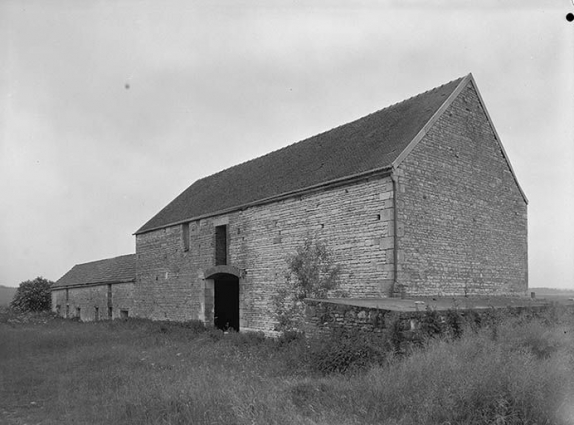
x: 461, y: 211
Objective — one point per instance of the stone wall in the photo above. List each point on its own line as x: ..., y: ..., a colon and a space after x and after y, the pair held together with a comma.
x: 168, y: 277
x: 355, y: 221
x: 93, y: 303
x: 324, y: 317
x: 462, y: 218
x: 59, y: 302
x: 122, y: 299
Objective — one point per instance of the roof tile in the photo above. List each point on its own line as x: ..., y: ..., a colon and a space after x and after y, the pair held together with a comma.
x: 369, y: 143
x: 110, y: 270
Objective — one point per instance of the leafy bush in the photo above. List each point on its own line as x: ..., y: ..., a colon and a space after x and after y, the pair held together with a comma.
x: 33, y: 295
x: 313, y: 270
x: 431, y: 324
x: 455, y: 323
x: 395, y: 335
x: 348, y: 351
x: 287, y: 311
x: 311, y: 273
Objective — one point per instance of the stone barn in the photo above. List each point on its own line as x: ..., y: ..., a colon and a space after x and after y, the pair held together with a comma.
x: 96, y: 290
x: 417, y: 199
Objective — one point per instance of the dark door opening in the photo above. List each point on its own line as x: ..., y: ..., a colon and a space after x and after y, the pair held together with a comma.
x: 226, y: 302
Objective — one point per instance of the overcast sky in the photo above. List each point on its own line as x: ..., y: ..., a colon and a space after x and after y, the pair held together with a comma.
x: 109, y: 109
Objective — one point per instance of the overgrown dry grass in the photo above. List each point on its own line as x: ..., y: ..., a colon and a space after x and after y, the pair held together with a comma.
x: 514, y: 371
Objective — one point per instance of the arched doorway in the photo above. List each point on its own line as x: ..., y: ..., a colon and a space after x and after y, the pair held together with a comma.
x: 226, y: 302
x: 221, y: 301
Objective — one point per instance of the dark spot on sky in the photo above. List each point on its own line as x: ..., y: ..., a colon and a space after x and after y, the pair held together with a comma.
x: 127, y: 86
x: 570, y: 17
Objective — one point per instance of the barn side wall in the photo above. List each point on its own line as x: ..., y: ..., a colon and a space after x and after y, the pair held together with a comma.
x: 355, y: 221
x: 90, y: 298
x: 462, y: 218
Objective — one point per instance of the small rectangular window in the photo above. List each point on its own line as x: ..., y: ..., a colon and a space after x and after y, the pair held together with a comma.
x: 221, y: 245
x: 96, y: 313
x: 78, y: 313
x: 185, y: 236
x: 124, y: 314
x: 67, y: 311
x: 110, y: 313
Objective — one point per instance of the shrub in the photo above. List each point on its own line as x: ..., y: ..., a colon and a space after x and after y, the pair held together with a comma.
x: 287, y: 311
x: 395, y: 335
x: 455, y: 323
x: 346, y: 351
x: 313, y: 270
x: 431, y: 324
x: 33, y: 295
x: 311, y: 273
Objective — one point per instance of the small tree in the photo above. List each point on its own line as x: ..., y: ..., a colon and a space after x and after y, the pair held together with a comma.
x: 312, y: 269
x: 311, y: 273
x: 33, y: 295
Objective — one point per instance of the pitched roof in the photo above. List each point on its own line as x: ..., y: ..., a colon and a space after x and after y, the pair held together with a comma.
x: 367, y: 144
x: 110, y: 270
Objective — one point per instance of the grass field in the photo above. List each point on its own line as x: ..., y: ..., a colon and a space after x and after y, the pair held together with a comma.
x: 54, y: 371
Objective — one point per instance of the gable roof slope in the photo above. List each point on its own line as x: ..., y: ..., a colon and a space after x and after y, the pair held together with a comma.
x: 370, y: 143
x: 111, y: 270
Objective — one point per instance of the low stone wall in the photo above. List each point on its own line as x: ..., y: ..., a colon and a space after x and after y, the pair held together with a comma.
x: 324, y: 317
